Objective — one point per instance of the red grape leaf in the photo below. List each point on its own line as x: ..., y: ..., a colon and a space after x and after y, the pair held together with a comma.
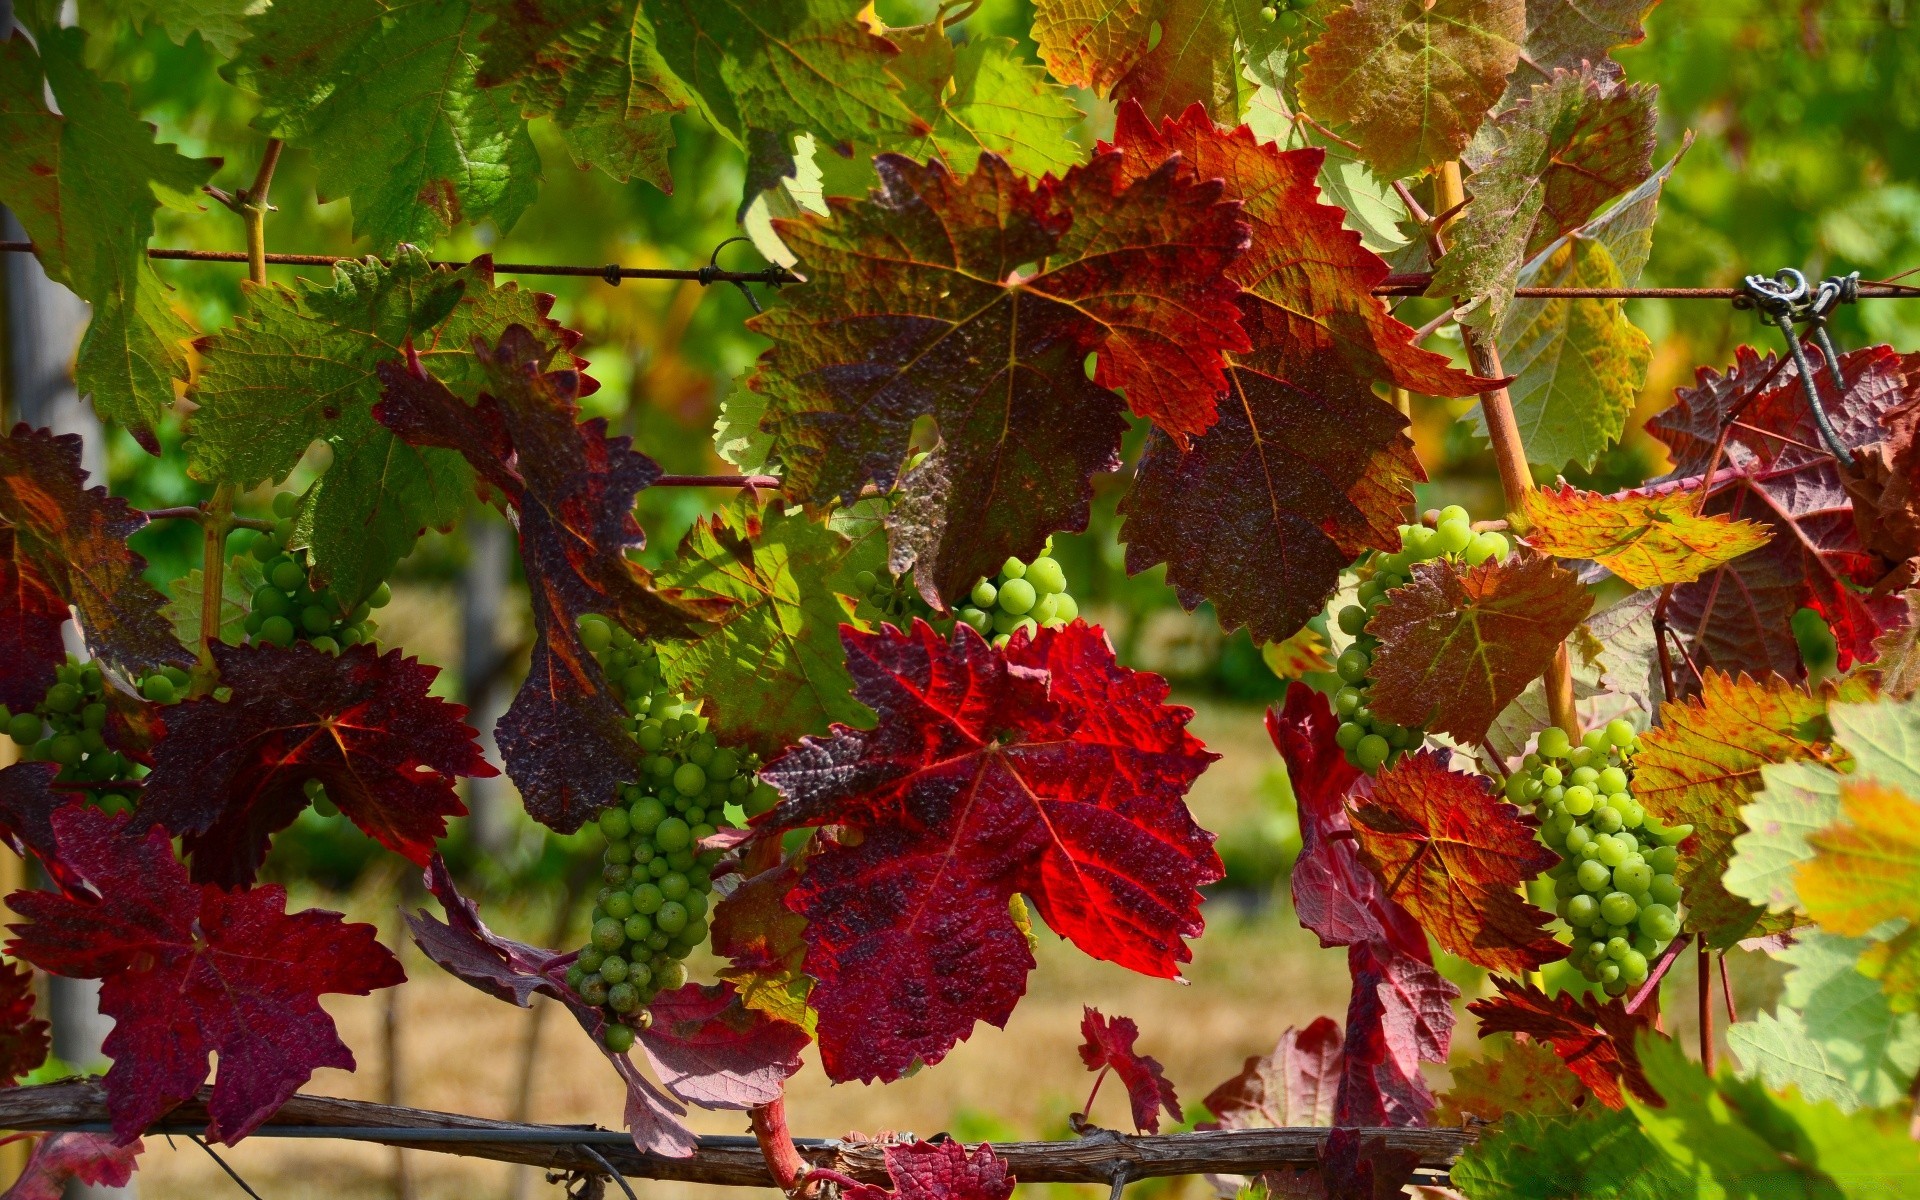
x: 1775, y: 470
x: 1510, y: 1076
x: 1358, y: 1164
x: 1292, y: 1085
x: 1702, y: 762
x: 1411, y: 82
x: 190, y: 970
x: 1884, y: 485
x: 1163, y: 55
x: 1458, y: 644
x: 918, y: 306
x: 943, y: 1170
x: 764, y: 943
x: 1109, y: 1045
x: 24, y: 1041
x: 710, y: 1049
x: 1333, y: 461
x: 228, y: 775
x: 706, y: 1046
x: 1399, y: 1015
x: 1898, y: 661
x: 1595, y: 1040
x: 564, y: 738
x: 1648, y: 541
x: 60, y: 1159
x: 1455, y: 856
x: 1046, y: 769
x: 27, y: 805
x: 1401, y: 1011
x: 31, y: 614
x: 66, y: 543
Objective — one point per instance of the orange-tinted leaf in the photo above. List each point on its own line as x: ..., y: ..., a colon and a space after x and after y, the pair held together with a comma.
x: 1595, y: 1040
x: 1648, y: 541
x: 1775, y: 470
x: 762, y: 940
x: 1454, y: 855
x: 1305, y: 653
x: 1510, y: 1075
x: 565, y: 739
x: 61, y: 543
x: 917, y: 308
x: 1702, y: 762
x: 1458, y: 644
x: 1865, y: 868
x: 1294, y: 1084
x: 1412, y: 79
x: 1163, y: 55
x: 1109, y: 1045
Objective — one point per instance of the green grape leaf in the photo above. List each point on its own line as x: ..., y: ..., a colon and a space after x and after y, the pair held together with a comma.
x: 1794, y: 800
x: 1595, y: 1153
x: 84, y: 183
x: 1165, y: 54
x: 222, y: 23
x: 1579, y: 364
x: 1459, y: 643
x: 1702, y: 762
x: 1411, y: 80
x: 982, y: 95
x: 301, y: 365
x: 737, y: 435
x: 1647, y: 541
x: 772, y: 670
x: 591, y: 66
x: 919, y: 306
x: 1552, y: 160
x: 765, y: 70
x: 384, y: 94
x: 1833, y: 1033
x: 238, y: 583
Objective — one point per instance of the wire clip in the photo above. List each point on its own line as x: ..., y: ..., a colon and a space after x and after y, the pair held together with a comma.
x: 1784, y: 300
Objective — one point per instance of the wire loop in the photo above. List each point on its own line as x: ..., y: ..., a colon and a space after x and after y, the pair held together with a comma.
x: 1785, y: 300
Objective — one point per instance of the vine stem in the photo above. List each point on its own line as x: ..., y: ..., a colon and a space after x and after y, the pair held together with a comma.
x: 1706, y: 1006
x: 1509, y: 452
x: 776, y: 1143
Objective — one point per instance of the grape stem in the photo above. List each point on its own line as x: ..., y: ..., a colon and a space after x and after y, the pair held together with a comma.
x: 1651, y: 988
x: 1086, y: 1110
x: 1509, y: 452
x: 1705, y: 999
x: 193, y: 512
x: 776, y: 1144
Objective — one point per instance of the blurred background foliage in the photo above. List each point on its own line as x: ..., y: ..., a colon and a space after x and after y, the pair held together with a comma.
x: 1806, y: 116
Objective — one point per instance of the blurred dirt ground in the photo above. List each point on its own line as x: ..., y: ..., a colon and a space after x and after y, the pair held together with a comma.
x: 1253, y: 974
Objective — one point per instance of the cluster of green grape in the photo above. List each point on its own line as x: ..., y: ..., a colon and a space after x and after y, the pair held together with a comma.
x: 1289, y: 16
x: 69, y: 725
x: 1369, y: 741
x: 1023, y: 594
x: 652, y: 912
x: 285, y: 608
x: 1614, y: 883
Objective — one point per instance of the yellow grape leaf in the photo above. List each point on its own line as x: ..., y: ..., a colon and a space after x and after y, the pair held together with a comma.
x: 1302, y: 654
x: 1703, y: 762
x: 1865, y: 871
x: 1648, y: 541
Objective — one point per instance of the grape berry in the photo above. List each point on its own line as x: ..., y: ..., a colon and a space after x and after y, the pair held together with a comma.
x: 69, y: 724
x: 1028, y: 595
x: 1370, y: 742
x: 1614, y: 885
x: 1288, y: 16
x: 652, y: 912
x: 286, y: 608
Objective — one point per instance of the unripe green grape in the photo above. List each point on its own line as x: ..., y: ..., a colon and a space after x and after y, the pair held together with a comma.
x: 1618, y: 908
x: 689, y: 780
x: 1017, y: 596
x: 1632, y: 878
x: 1353, y: 664
x: 613, y: 969
x: 157, y: 688
x: 1578, y: 799
x: 671, y: 977
x: 1013, y: 568
x: 1620, y: 732
x: 1488, y: 545
x: 674, y: 885
x: 1664, y: 890
x: 671, y: 918
x: 381, y: 597
x: 1065, y: 609
x: 1453, y: 537
x: 673, y: 834
x: 608, y: 934
x: 617, y: 1038
x: 1046, y: 576
x: 1348, y: 735
x: 287, y: 575
x: 1347, y: 701
x: 1594, y: 875
x: 1554, y: 743
x: 1582, y: 910
x: 1608, y: 820
x: 983, y: 594
x: 1372, y: 752
x: 277, y: 631
x: 593, y: 989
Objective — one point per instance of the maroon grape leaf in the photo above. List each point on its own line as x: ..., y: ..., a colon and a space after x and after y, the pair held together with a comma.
x: 764, y: 944
x: 227, y: 775
x: 1401, y: 1010
x: 1595, y: 1040
x: 918, y: 307
x: 1359, y: 1165
x: 1292, y: 1085
x: 66, y: 543
x: 61, y: 1159
x: 1455, y: 856
x: 190, y: 970
x: 1776, y: 470
x: 1565, y: 33
x: 1047, y: 769
x: 1884, y: 486
x: 1109, y: 1046
x: 1459, y: 644
x: 707, y: 1047
x: 572, y: 487
x: 24, y: 1039
x: 1331, y: 460
x: 27, y: 804
x: 943, y: 1170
